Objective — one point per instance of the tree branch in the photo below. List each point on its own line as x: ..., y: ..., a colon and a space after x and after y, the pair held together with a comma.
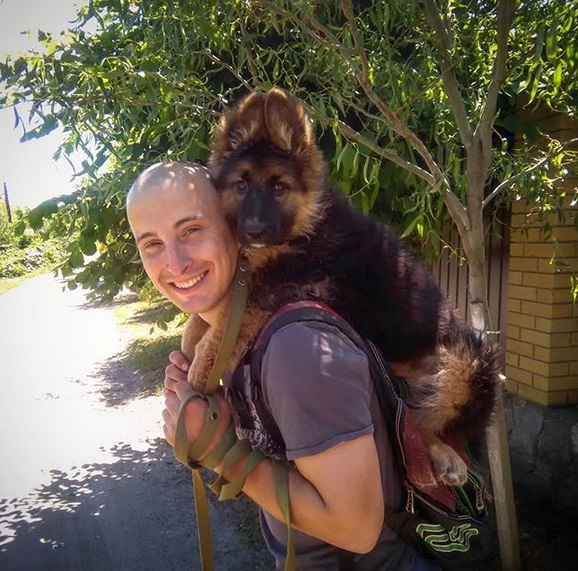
x: 510, y: 181
x: 208, y: 53
x: 362, y: 76
x: 444, y: 44
x: 324, y: 36
x: 353, y: 135
x: 435, y: 177
x: 506, y: 10
x: 440, y: 183
x: 250, y: 60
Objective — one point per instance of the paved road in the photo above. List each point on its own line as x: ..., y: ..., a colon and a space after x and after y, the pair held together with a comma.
x: 86, y: 481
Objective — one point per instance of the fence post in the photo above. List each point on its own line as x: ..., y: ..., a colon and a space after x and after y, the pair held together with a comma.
x: 7, y: 201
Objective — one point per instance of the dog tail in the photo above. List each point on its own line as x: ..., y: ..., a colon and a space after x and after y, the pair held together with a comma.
x: 461, y: 394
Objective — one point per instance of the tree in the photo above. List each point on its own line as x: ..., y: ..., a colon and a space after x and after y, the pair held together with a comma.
x: 419, y: 109
x: 417, y: 105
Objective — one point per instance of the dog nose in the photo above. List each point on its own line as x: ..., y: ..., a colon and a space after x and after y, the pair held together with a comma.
x: 255, y: 231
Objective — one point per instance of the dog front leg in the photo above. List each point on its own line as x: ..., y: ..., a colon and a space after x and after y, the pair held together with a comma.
x: 193, y: 331
x: 207, y: 347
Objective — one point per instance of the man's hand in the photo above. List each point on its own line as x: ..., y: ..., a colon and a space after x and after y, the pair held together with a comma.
x: 176, y: 386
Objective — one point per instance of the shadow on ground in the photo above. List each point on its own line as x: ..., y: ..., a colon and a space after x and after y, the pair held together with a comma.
x: 135, y: 513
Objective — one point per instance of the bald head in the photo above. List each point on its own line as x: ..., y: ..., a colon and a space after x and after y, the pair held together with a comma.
x: 160, y: 183
x: 164, y: 177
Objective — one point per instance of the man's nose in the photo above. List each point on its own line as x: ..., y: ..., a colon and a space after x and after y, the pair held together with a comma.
x: 177, y: 258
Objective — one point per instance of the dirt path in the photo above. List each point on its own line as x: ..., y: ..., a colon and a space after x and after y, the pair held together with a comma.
x: 87, y: 482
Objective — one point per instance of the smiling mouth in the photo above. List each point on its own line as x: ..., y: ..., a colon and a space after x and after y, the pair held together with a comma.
x: 188, y: 284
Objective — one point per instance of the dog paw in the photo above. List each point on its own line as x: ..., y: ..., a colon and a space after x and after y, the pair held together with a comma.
x: 448, y: 464
x: 200, y: 370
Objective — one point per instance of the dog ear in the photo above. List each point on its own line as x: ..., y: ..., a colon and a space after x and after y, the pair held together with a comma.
x: 274, y: 116
x: 287, y: 124
x: 240, y: 125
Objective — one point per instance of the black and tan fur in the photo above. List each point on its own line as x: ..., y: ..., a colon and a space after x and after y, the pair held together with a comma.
x: 302, y: 239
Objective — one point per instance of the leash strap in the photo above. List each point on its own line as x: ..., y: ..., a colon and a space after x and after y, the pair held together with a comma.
x: 232, y: 327
x: 226, y: 490
x: 229, y: 450
x: 281, y: 481
x: 199, y: 494
x: 203, y: 522
x: 183, y: 455
x: 226, y: 453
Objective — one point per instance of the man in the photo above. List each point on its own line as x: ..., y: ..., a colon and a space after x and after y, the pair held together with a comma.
x: 314, y: 380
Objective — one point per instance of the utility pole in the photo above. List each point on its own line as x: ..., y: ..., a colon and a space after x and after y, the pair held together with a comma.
x: 7, y: 201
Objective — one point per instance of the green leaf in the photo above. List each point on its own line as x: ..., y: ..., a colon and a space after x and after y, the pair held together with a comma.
x: 87, y: 244
x: 19, y: 228
x: 35, y: 219
x: 557, y: 78
x: 355, y: 164
x: 411, y: 226
x: 552, y: 41
x: 340, y: 157
x: 76, y: 259
x: 539, y: 45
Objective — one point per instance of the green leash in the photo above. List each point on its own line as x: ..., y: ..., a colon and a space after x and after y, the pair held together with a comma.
x: 229, y: 450
x: 240, y: 292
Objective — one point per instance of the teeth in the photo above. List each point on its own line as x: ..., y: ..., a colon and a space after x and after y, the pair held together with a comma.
x: 190, y: 283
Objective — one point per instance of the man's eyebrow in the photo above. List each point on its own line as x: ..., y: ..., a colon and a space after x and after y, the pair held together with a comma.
x: 185, y: 220
x: 190, y: 218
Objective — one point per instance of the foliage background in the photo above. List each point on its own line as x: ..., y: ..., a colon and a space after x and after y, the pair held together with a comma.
x: 26, y: 251
x: 399, y: 92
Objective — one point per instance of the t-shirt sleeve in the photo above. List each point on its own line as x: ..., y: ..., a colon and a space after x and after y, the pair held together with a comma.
x: 317, y: 385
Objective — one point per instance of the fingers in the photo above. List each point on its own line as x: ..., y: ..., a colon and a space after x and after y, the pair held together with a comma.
x: 176, y: 386
x: 169, y: 426
x: 178, y: 359
x: 176, y: 373
x: 194, y: 415
x: 170, y: 415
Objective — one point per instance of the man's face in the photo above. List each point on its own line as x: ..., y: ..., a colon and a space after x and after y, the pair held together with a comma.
x: 187, y: 249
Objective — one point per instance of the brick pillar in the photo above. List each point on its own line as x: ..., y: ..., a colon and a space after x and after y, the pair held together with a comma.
x: 542, y: 333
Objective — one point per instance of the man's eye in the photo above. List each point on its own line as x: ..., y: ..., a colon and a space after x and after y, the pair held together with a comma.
x: 191, y: 230
x: 151, y: 246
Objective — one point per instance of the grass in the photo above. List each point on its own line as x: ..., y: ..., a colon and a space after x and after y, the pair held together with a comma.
x: 7, y: 284
x: 149, y: 346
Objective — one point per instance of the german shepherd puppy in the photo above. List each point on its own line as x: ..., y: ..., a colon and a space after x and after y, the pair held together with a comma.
x: 302, y: 238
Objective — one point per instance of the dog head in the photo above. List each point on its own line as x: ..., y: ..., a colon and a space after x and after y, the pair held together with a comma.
x: 268, y: 169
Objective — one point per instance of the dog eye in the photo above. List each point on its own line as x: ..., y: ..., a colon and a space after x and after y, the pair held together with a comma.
x: 280, y: 187
x: 241, y: 185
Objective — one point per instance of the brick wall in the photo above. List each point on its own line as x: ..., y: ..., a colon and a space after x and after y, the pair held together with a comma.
x: 542, y: 332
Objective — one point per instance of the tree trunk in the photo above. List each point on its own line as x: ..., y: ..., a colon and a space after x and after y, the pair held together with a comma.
x: 496, y: 434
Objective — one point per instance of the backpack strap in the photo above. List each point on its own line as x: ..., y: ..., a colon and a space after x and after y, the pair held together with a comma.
x: 299, y: 311
x: 386, y: 384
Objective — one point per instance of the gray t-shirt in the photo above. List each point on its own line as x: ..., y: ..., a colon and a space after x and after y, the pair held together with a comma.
x: 317, y: 385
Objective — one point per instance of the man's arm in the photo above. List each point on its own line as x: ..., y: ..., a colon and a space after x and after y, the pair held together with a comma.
x: 335, y: 495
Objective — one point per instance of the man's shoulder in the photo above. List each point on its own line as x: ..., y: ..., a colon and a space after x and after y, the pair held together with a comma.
x: 311, y: 335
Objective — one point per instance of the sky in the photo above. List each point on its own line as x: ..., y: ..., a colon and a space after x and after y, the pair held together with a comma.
x: 28, y: 169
